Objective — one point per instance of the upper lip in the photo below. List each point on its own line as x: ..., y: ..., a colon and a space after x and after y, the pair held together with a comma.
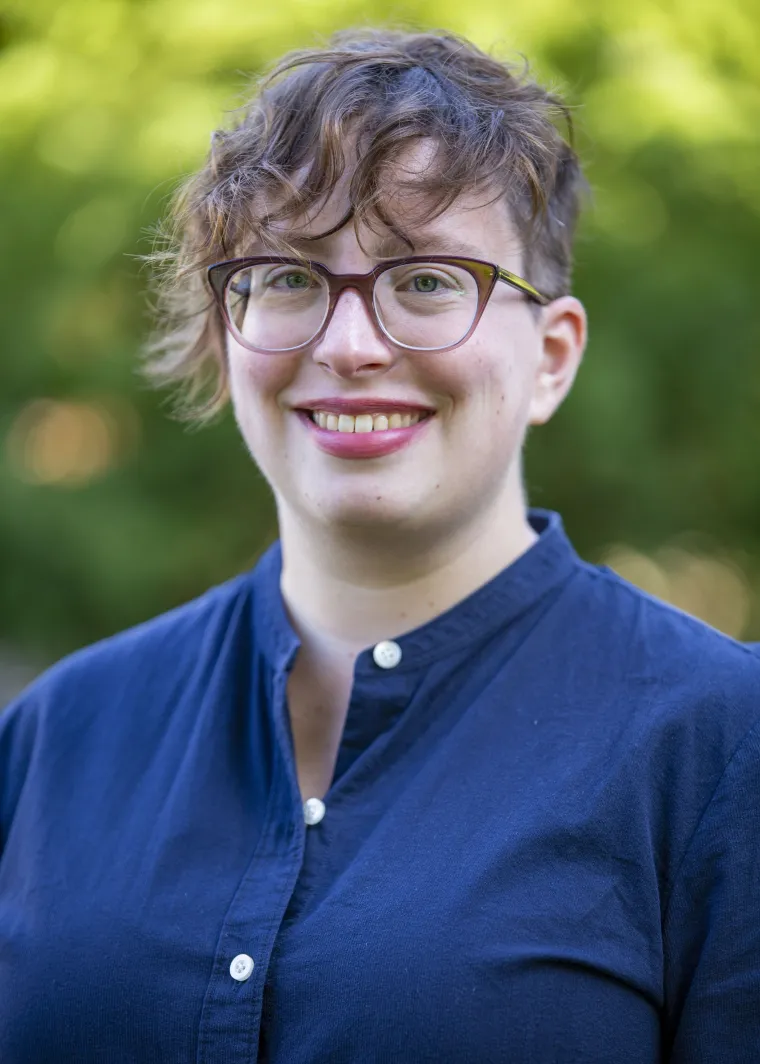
x: 362, y: 406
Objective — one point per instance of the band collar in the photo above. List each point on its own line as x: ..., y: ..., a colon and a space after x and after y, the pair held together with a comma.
x: 549, y: 561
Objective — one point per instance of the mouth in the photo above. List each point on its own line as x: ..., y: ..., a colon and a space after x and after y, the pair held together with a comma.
x: 364, y: 436
x: 365, y: 423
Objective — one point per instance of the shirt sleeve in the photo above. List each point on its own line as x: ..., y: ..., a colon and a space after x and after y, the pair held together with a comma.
x: 712, y: 926
x: 18, y: 727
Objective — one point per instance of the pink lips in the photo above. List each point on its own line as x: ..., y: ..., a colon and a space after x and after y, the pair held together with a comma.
x: 362, y: 444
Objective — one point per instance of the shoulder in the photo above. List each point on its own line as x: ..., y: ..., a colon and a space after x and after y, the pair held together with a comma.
x: 122, y: 691
x: 133, y: 678
x: 696, y: 687
x: 663, y: 709
x: 646, y: 630
x: 145, y: 652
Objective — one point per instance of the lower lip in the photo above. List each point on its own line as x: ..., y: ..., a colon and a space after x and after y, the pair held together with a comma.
x: 363, y: 444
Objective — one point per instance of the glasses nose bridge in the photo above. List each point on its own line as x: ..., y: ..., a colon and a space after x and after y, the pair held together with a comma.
x: 363, y: 284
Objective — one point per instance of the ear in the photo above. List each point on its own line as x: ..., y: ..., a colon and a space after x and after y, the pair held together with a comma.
x: 564, y: 330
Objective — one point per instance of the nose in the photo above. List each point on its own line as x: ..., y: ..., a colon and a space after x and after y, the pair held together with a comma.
x: 353, y: 345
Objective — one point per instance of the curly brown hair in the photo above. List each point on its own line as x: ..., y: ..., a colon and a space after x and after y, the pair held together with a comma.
x: 380, y: 90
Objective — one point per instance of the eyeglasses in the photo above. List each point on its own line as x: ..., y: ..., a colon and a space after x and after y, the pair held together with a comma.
x: 272, y: 304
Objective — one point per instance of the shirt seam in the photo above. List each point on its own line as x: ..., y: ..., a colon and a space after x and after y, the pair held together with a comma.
x: 687, y: 849
x: 636, y: 592
x: 613, y: 578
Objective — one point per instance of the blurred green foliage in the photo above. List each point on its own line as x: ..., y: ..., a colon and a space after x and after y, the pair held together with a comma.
x: 110, y: 512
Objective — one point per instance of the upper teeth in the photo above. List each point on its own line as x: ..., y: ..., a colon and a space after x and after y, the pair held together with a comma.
x: 363, y: 422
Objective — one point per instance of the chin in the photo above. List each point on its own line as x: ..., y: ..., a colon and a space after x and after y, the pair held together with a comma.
x: 365, y: 510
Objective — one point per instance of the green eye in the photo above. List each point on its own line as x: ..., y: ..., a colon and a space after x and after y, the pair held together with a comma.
x: 295, y: 280
x: 425, y: 283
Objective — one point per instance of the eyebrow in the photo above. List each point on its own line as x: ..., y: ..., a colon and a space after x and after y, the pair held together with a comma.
x: 428, y: 243
x: 425, y: 243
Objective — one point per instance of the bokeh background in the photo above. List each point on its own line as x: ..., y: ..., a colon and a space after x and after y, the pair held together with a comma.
x: 110, y: 512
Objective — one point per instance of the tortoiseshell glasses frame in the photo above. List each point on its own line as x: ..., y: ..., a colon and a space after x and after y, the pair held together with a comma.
x: 486, y: 275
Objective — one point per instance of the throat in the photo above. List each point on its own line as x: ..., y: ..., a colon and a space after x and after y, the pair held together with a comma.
x: 317, y: 700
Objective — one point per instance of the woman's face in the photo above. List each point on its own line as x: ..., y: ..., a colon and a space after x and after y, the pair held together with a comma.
x: 515, y: 369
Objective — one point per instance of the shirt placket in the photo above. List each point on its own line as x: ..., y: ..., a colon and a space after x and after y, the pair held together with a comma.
x: 231, y: 1014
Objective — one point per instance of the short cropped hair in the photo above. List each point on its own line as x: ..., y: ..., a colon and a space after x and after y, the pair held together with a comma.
x: 493, y: 127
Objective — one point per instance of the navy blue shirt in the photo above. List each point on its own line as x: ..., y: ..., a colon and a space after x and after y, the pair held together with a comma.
x: 541, y: 843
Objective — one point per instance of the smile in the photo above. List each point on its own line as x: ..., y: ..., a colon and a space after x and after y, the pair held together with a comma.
x: 365, y: 422
x: 358, y: 436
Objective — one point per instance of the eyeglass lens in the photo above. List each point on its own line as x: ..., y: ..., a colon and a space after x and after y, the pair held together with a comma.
x: 274, y: 307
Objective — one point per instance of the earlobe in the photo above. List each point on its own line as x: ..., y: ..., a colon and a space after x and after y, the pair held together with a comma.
x: 544, y: 402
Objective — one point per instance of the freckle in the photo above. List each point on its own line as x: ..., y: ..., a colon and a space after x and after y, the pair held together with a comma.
x: 378, y: 497
x: 437, y: 487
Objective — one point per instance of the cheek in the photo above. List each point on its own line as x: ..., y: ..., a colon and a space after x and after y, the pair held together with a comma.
x: 507, y: 374
x: 493, y: 391
x: 256, y: 381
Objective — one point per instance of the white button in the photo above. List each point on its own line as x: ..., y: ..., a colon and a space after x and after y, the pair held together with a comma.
x: 241, y: 967
x: 313, y: 810
x: 387, y: 654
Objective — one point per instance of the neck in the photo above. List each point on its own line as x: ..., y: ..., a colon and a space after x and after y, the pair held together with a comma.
x: 347, y: 589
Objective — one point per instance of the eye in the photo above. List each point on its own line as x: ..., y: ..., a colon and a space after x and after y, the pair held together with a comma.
x: 294, y: 280
x: 425, y: 282
x: 428, y: 282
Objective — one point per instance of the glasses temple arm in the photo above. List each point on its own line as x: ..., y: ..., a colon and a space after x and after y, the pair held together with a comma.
x: 523, y: 286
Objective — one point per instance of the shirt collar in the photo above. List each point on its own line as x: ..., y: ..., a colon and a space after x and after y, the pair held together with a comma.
x: 548, y: 562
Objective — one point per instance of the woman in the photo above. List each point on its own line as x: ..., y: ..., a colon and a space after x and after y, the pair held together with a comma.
x: 424, y: 785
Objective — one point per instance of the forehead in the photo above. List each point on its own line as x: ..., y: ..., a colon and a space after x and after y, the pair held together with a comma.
x: 479, y: 233
x: 476, y: 225
x: 441, y: 240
